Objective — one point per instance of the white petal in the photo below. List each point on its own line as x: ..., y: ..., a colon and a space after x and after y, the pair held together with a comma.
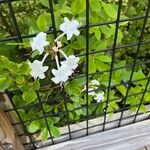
x: 45, y: 68
x: 66, y: 20
x: 55, y: 80
x: 69, y: 35
x: 42, y: 76
x: 75, y: 23
x: 76, y: 32
x: 54, y: 71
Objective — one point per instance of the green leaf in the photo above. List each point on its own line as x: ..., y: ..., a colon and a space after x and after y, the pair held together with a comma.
x: 70, y: 106
x: 55, y: 131
x: 143, y: 109
x: 78, y: 6
x: 96, y: 32
x: 75, y: 99
x: 36, y: 85
x: 103, y: 58
x: 42, y: 23
x: 71, y: 116
x: 139, y: 75
x: 114, y: 105
x: 147, y: 97
x: 55, y: 119
x: 122, y: 89
x: 50, y: 122
x: 92, y: 65
x: 44, y: 134
x: 24, y: 68
x: 95, y: 5
x: 48, y: 108
x: 20, y: 79
x: 34, y: 126
x: 44, y: 3
x: 4, y: 84
x: 79, y: 44
x: 110, y: 10
x: 100, y: 66
x: 107, y: 31
x: 4, y: 62
x: 79, y: 110
x: 29, y: 96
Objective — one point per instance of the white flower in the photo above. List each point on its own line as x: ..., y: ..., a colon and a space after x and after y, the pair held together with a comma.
x: 91, y: 92
x: 70, y: 27
x: 99, y: 97
x: 39, y: 42
x: 95, y: 82
x: 61, y: 75
x: 71, y: 62
x: 37, y: 69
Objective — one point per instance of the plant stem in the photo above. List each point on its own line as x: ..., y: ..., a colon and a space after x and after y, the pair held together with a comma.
x: 57, y: 62
x: 45, y: 56
x: 60, y: 36
x: 63, y: 53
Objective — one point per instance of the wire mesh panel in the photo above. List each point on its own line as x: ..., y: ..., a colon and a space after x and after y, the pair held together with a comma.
x: 113, y: 49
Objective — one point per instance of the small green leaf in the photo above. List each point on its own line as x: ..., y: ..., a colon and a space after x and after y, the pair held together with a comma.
x: 110, y: 10
x: 103, y: 58
x: 44, y: 3
x: 107, y: 31
x: 4, y: 62
x: 20, y: 79
x: 100, y: 66
x: 42, y: 23
x: 55, y: 131
x: 44, y: 134
x: 29, y: 96
x: 70, y: 106
x: 122, y: 89
x: 78, y: 6
x: 147, y: 97
x: 76, y: 99
x: 92, y: 65
x: 78, y: 111
x: 143, y: 109
x: 36, y: 85
x: 50, y: 122
x: 55, y: 119
x: 95, y: 5
x: 34, y: 126
x: 4, y: 84
x: 24, y: 68
x: 48, y: 108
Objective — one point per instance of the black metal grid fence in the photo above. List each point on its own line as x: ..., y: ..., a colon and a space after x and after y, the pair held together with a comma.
x: 113, y: 49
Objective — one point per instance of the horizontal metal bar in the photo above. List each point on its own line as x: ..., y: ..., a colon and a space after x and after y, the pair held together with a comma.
x: 56, y: 99
x: 82, y: 27
x: 50, y: 114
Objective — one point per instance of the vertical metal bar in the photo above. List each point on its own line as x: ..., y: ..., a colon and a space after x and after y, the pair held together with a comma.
x: 113, y: 59
x: 87, y: 64
x: 136, y: 114
x: 16, y: 26
x: 134, y: 62
x: 43, y: 112
x: 21, y: 120
x: 63, y: 89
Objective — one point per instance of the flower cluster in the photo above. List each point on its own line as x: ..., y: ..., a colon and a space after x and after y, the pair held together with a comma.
x: 93, y: 85
x: 64, y: 68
